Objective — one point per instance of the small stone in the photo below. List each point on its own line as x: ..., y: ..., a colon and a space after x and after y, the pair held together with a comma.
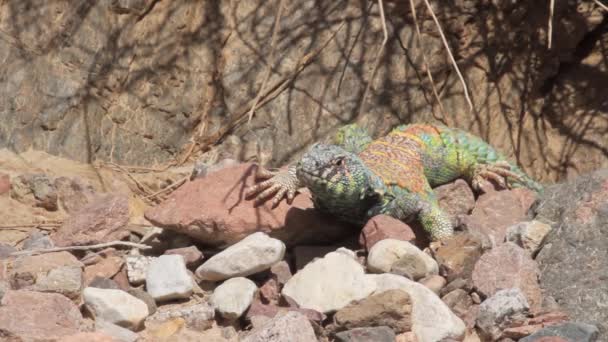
x: 4, y: 288
x: 66, y: 280
x: 457, y: 256
x: 104, y: 268
x: 458, y: 301
x: 144, y: 297
x: 36, y: 241
x: 253, y: 254
x: 494, y: 311
x: 258, y: 310
x: 194, y: 314
x: 427, y: 309
x: 117, y: 332
x: 455, y: 199
x: 103, y: 283
x: 529, y: 235
x: 392, y: 308
x: 579, y: 332
x: 329, y: 284
x: 376, y: 334
x: 6, y: 250
x: 408, y: 337
x: 529, y: 326
x: 508, y: 266
x: 410, y: 267
x: 192, y: 256
x: 384, y: 254
x: 115, y: 306
x: 233, y: 297
x: 168, y: 278
x: 281, y: 272
x: 433, y: 282
x: 137, y: 268
x: 381, y: 227
x: 37, y: 316
x: 5, y: 183
x: 270, y: 291
x: 291, y: 326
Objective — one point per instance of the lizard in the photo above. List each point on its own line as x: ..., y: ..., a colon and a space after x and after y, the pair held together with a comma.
x: 355, y: 177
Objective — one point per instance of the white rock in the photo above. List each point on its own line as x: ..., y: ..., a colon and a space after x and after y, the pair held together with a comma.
x: 498, y: 308
x: 386, y: 252
x: 432, y: 319
x: 198, y: 315
x: 233, y: 297
x: 291, y: 326
x: 168, y: 278
x: 115, y: 306
x: 119, y: 333
x: 329, y: 283
x: 66, y: 280
x: 137, y: 268
x: 253, y: 254
x: 529, y: 235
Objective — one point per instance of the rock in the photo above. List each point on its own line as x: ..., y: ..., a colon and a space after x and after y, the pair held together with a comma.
x: 409, y: 337
x: 458, y: 301
x: 192, y: 256
x: 573, y: 261
x: 168, y: 278
x: 5, y: 183
x: 381, y: 227
x: 102, y: 220
x: 66, y: 280
x: 6, y: 250
x: 103, y: 283
x: 528, y: 326
x: 433, y: 282
x: 36, y: 189
x: 290, y: 326
x: 228, y: 217
x: 233, y: 297
x: 306, y: 254
x: 379, y: 334
x: 281, y: 272
x: 74, y: 193
x: 4, y: 288
x: 457, y: 256
x: 36, y: 241
x: 388, y: 253
x: 194, y: 314
x: 32, y: 315
x: 251, y: 255
x: 12, y: 237
x: 144, y: 297
x: 121, y: 279
x: 117, y: 332
x: 105, y: 268
x: 496, y: 211
x: 569, y: 331
x: 270, y: 291
x: 259, y: 310
x: 329, y: 284
x: 137, y: 268
x: 391, y: 308
x: 115, y: 306
x: 528, y: 235
x: 508, y: 266
x: 89, y: 336
x: 494, y: 311
x: 456, y: 199
x: 427, y: 309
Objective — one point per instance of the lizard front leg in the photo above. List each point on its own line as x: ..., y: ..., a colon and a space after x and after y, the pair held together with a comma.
x: 278, y: 185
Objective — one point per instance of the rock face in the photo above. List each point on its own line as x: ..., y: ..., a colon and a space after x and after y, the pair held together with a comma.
x: 574, y: 259
x: 255, y: 253
x: 228, y: 217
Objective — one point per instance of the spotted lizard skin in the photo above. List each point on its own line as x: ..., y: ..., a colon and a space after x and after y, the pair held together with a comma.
x: 357, y: 178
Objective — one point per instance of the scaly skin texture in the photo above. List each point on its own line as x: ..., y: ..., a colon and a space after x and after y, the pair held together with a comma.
x: 358, y: 178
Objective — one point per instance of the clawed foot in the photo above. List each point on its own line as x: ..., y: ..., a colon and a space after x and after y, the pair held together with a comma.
x: 277, y: 185
x: 497, y: 172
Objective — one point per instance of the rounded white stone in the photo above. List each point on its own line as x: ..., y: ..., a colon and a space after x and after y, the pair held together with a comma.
x: 115, y: 306
x: 168, y: 278
x: 386, y: 252
x: 233, y: 297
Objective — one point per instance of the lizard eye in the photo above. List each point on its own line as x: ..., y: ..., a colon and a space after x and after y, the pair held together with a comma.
x: 339, y: 161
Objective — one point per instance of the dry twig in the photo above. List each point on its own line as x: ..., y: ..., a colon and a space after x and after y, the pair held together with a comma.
x: 550, y: 25
x: 604, y: 7
x: 28, y: 226
x: 169, y: 187
x: 83, y: 248
x: 447, y: 47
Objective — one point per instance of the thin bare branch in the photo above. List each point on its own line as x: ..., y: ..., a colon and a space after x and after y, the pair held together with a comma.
x: 273, y: 42
x: 550, y: 24
x: 376, y: 59
x: 82, y: 248
x: 604, y: 7
x: 447, y: 47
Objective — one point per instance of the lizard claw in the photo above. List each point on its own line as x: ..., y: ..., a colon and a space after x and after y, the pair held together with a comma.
x: 278, y: 185
x: 497, y: 172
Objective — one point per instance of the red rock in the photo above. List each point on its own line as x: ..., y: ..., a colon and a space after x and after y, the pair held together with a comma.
x: 281, y: 272
x: 122, y: 279
x: 270, y: 291
x: 457, y: 256
x: 551, y: 339
x: 382, y: 227
x: 5, y: 183
x: 192, y: 256
x: 496, y: 211
x: 508, y: 266
x: 271, y: 310
x: 73, y: 193
x: 455, y: 199
x: 102, y: 220
x: 213, y: 210
x: 106, y: 268
x: 89, y: 337
x: 529, y: 326
x: 38, y: 316
x: 26, y: 269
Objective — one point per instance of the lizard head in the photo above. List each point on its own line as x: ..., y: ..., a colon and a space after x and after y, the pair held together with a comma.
x: 336, y: 178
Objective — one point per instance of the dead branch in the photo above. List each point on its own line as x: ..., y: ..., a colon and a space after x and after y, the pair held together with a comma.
x: 447, y: 47
x: 273, y: 42
x: 169, y: 187
x: 550, y: 24
x: 28, y: 226
x: 83, y: 248
x: 376, y: 58
x: 604, y: 7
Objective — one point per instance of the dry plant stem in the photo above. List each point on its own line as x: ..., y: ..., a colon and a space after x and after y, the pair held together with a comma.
x: 550, y: 24
x: 447, y: 47
x: 376, y: 59
x: 273, y: 42
x: 604, y: 7
x: 172, y: 186
x: 83, y: 248
x: 426, y: 64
